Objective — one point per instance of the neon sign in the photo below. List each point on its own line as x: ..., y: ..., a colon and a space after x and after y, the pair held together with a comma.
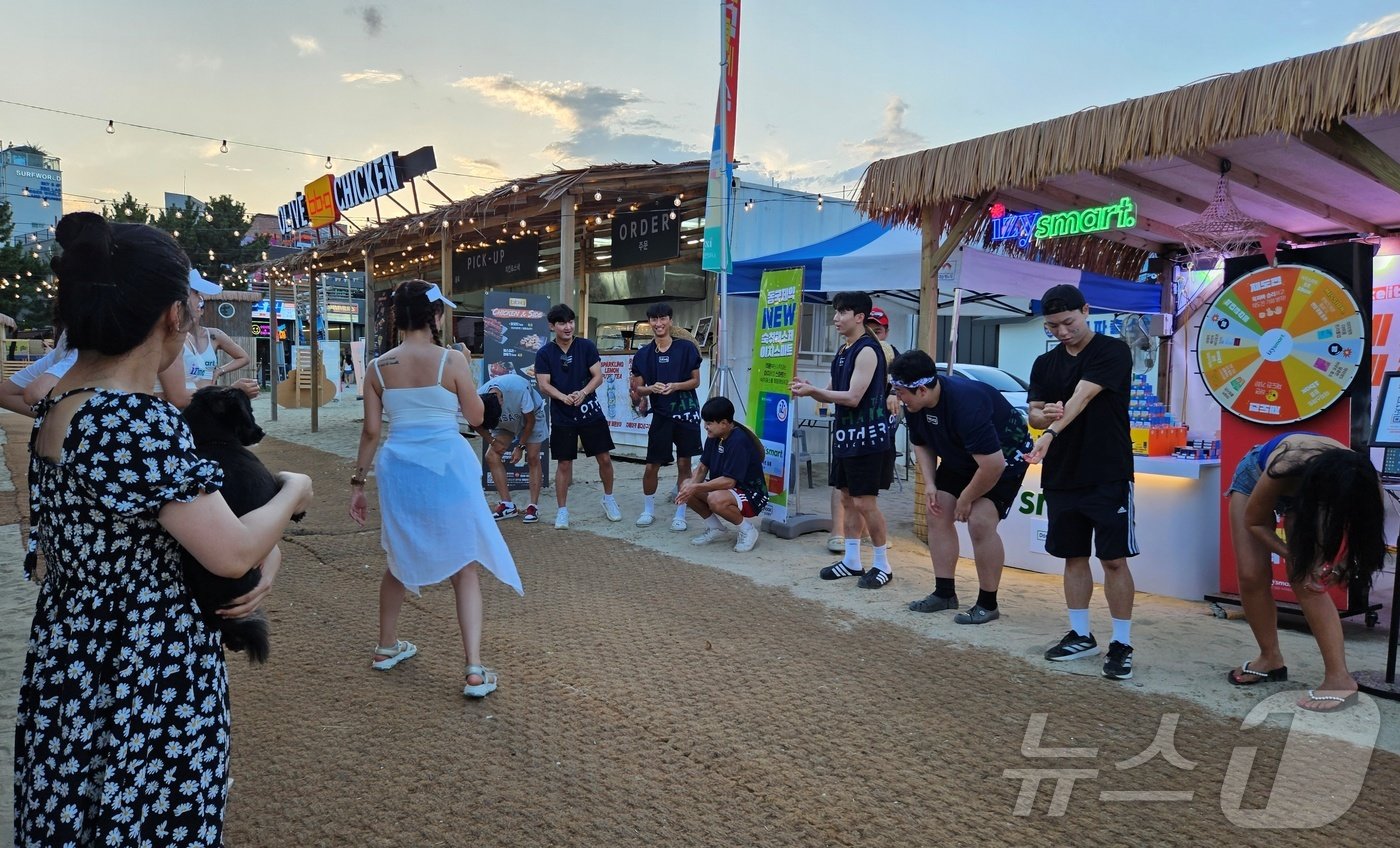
x: 1027, y: 226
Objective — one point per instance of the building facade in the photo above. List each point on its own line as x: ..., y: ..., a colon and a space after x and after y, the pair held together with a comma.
x: 31, y: 181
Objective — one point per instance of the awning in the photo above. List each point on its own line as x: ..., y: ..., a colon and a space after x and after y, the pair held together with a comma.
x: 873, y: 257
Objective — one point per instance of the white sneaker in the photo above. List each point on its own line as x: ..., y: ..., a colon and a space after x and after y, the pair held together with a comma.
x: 678, y: 524
x: 645, y: 519
x: 561, y: 520
x: 748, y: 537
x: 710, y: 535
x: 836, y: 544
x: 611, y: 508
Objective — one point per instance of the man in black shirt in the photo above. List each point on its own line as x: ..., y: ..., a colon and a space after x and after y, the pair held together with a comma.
x: 980, y: 443
x: 729, y: 482
x: 860, y: 436
x: 569, y: 371
x: 667, y: 371
x: 1079, y: 397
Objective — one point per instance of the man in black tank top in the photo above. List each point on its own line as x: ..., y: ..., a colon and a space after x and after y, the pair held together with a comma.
x: 861, y: 435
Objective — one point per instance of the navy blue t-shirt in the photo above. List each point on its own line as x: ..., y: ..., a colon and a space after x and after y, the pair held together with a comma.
x: 739, y: 458
x: 970, y: 419
x: 676, y: 365
x: 570, y: 372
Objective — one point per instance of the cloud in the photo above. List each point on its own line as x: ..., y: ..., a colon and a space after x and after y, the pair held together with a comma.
x: 571, y: 105
x: 1382, y: 26
x: 209, y: 150
x: 373, y: 20
x: 602, y: 123
x: 187, y: 61
x: 373, y: 77
x: 893, y: 139
x: 228, y: 167
x: 306, y: 45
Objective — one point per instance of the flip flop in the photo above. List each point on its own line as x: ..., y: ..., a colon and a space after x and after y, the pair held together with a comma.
x: 1236, y: 678
x: 1343, y: 703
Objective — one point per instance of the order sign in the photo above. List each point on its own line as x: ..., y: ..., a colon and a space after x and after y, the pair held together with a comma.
x: 1282, y: 344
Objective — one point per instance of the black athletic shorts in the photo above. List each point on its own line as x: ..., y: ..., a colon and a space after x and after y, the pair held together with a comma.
x: 862, y: 476
x: 665, y: 432
x: 564, y: 439
x: 1002, y: 495
x: 890, y: 459
x: 1102, y: 513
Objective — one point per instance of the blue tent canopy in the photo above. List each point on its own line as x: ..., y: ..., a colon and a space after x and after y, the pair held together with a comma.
x: 873, y: 257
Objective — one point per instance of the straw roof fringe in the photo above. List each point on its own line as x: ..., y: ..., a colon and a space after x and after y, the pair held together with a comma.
x: 1306, y: 93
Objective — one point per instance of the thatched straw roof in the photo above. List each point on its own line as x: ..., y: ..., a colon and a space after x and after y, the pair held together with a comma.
x: 7, y: 322
x: 1292, y: 97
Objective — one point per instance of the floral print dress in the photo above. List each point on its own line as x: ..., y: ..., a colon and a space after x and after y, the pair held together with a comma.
x: 122, y: 735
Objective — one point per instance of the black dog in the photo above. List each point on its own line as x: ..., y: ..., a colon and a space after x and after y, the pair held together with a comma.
x: 221, y: 420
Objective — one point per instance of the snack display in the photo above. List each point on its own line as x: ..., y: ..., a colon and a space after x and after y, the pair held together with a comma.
x: 531, y: 342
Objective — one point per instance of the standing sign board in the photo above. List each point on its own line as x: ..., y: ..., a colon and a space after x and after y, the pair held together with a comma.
x: 514, y: 327
x: 774, y: 365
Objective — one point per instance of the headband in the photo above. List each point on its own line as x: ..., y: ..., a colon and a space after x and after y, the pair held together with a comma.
x: 913, y: 384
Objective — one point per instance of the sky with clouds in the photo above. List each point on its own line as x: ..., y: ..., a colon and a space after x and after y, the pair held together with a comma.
x: 511, y: 90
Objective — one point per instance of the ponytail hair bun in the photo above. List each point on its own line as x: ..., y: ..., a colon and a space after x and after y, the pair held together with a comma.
x: 86, y: 239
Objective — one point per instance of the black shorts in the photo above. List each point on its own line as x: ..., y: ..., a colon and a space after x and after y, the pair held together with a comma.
x: 862, y: 476
x: 1002, y: 495
x: 1102, y: 513
x: 564, y: 439
x: 890, y: 459
x: 665, y: 432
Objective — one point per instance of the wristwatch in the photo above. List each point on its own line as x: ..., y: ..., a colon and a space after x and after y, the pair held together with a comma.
x: 1051, y: 431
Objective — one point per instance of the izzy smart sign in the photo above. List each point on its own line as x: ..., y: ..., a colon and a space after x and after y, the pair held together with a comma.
x: 647, y: 236
x: 1025, y: 227
x: 502, y: 263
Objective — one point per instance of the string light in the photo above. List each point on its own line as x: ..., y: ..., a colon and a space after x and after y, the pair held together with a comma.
x: 329, y: 166
x: 223, y: 146
x: 111, y: 127
x: 597, y: 195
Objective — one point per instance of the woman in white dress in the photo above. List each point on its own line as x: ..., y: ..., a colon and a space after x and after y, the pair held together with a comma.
x: 435, y: 521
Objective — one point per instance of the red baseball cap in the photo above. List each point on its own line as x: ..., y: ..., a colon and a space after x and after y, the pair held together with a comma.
x: 879, y: 317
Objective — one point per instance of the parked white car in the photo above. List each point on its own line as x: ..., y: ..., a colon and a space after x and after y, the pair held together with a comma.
x: 1013, y: 388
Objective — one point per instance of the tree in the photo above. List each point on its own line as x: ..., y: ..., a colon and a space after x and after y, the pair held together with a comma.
x: 26, y: 283
x: 213, y: 237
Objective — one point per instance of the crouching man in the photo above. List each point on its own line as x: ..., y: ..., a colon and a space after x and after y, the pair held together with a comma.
x: 728, y: 485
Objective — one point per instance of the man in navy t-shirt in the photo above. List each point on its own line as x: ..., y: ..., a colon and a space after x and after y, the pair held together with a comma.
x: 980, y: 442
x: 667, y: 371
x: 729, y: 482
x: 568, y: 371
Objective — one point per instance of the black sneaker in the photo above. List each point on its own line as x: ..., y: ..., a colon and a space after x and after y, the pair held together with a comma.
x: 1119, y: 665
x: 839, y: 569
x: 1073, y: 647
x: 874, y: 578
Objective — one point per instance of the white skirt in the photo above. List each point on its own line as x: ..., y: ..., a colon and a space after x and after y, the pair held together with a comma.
x: 434, y: 516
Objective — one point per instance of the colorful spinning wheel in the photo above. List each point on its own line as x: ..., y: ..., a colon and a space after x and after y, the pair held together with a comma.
x: 1282, y: 344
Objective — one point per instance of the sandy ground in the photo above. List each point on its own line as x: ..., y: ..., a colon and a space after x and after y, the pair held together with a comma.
x: 1180, y: 648
x: 638, y: 688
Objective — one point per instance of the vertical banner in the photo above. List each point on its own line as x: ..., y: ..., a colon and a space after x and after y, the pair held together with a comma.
x: 774, y: 365
x: 717, y: 193
x: 514, y: 327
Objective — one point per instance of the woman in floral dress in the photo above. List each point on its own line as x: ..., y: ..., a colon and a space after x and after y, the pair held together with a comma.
x: 122, y: 735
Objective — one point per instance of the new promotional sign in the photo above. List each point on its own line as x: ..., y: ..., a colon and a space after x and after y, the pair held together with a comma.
x: 647, y: 236
x: 774, y: 365
x: 512, y: 262
x: 514, y: 327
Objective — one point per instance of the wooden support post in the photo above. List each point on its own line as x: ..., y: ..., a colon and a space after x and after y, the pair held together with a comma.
x: 568, y: 243
x: 932, y: 257
x: 316, y: 371
x: 274, y: 346
x: 449, y: 334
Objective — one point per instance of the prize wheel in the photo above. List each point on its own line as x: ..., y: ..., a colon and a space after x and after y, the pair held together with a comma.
x: 1280, y: 345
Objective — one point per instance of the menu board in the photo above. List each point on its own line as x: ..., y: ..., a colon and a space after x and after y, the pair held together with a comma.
x: 514, y: 328
x: 1280, y: 345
